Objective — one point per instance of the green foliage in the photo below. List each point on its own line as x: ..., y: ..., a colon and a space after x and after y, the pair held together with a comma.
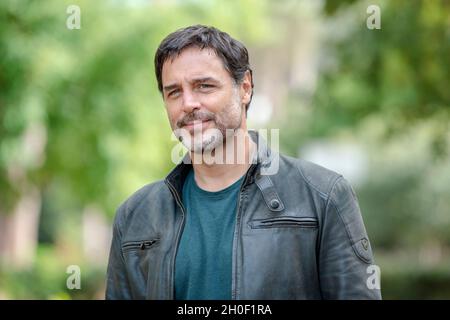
x: 387, y: 91
x: 46, y: 279
x: 94, y: 93
x: 82, y: 121
x: 416, y: 284
x: 400, y: 73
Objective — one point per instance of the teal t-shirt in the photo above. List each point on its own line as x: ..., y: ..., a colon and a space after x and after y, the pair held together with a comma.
x: 204, y: 258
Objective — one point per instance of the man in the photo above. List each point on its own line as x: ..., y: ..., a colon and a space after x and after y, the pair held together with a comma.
x: 258, y: 225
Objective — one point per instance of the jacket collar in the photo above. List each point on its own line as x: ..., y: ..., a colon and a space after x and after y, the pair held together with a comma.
x: 263, y: 165
x: 261, y: 159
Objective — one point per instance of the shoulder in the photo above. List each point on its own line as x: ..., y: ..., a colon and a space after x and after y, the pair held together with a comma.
x: 316, y: 177
x: 148, y: 193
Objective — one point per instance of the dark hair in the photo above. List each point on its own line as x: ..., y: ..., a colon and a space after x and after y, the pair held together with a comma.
x: 233, y: 53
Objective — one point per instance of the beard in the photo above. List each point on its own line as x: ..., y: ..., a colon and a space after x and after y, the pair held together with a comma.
x: 224, y: 124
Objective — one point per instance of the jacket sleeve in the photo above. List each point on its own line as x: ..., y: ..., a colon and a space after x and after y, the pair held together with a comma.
x: 346, y: 265
x: 117, y: 285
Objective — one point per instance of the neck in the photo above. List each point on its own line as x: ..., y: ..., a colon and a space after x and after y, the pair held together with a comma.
x: 226, y: 164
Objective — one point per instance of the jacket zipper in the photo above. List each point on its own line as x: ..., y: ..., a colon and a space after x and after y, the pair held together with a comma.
x: 139, y: 244
x: 177, y: 239
x: 236, y: 239
x: 284, y: 222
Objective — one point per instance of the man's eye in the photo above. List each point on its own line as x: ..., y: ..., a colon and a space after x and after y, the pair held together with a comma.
x: 173, y: 93
x: 205, y: 86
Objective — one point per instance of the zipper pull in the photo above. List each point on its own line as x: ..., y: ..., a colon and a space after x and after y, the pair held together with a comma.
x: 145, y: 244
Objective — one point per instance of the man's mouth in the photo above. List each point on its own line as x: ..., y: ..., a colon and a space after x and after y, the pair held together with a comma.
x: 196, y: 124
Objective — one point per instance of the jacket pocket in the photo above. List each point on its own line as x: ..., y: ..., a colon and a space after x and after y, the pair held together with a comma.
x: 139, y: 245
x: 284, y: 222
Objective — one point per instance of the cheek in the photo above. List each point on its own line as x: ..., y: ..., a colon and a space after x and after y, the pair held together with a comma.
x: 217, y: 102
x: 230, y: 111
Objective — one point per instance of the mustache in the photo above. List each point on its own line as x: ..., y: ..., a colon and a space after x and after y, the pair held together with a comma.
x: 196, y: 116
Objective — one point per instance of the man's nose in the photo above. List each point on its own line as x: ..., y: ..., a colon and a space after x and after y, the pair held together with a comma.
x: 190, y: 101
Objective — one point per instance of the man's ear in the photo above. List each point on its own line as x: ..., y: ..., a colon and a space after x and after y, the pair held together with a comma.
x: 246, y: 88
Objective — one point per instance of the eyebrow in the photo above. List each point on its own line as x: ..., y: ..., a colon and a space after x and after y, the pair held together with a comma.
x: 170, y: 87
x: 195, y: 80
x: 204, y: 79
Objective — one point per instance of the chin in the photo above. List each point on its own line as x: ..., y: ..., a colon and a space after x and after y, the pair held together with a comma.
x: 202, y: 141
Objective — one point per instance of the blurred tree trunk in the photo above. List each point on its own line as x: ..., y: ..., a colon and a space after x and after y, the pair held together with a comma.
x: 19, y: 231
x: 97, y: 235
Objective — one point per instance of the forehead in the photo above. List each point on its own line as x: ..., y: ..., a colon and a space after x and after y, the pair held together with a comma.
x: 193, y: 63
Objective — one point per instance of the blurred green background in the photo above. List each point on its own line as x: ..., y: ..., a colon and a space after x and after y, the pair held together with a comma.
x: 82, y: 124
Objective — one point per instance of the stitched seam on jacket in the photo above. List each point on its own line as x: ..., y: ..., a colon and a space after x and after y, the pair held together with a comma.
x: 332, y: 202
x: 352, y: 241
x: 308, y: 182
x: 345, y: 225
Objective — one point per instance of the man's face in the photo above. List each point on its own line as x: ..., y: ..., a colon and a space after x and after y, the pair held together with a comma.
x: 200, y: 95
